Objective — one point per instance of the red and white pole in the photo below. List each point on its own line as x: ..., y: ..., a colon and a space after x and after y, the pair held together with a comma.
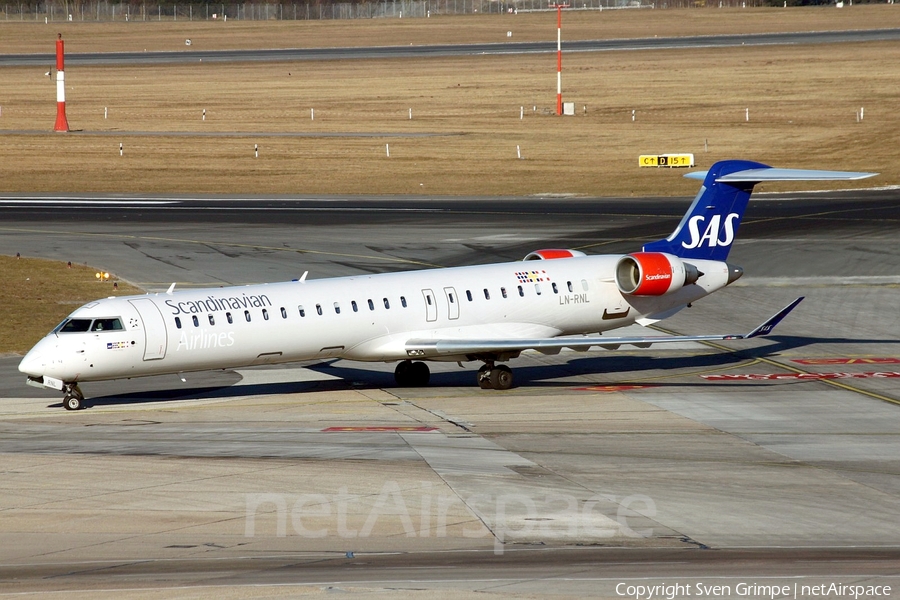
x: 558, y: 60
x: 61, y: 123
x: 559, y: 106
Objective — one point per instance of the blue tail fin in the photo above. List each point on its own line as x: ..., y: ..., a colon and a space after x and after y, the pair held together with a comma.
x: 710, y: 224
x: 708, y: 229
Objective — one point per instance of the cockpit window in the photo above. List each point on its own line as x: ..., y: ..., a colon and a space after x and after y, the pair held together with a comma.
x: 107, y: 325
x: 75, y: 326
x: 83, y: 325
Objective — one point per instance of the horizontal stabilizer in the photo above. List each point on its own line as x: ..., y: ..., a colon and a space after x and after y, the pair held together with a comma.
x: 462, y: 347
x: 773, y: 174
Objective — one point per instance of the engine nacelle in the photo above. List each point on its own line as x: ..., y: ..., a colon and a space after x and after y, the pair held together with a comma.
x: 653, y: 274
x: 551, y: 253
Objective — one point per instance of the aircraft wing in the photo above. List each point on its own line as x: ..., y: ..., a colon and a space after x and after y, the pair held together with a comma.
x: 461, y: 347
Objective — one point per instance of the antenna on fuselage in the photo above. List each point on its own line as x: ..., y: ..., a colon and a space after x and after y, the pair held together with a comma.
x: 303, y: 277
x: 171, y: 289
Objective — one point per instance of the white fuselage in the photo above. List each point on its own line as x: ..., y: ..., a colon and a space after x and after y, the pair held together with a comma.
x: 365, y: 318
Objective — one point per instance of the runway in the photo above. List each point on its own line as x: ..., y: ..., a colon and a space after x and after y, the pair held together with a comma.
x: 434, y: 51
x: 155, y: 240
x: 600, y: 469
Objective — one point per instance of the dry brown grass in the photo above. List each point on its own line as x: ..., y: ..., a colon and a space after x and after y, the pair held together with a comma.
x: 33, y: 37
x: 37, y: 294
x: 802, y: 99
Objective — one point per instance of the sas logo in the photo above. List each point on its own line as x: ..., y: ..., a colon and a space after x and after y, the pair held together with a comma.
x: 710, y: 236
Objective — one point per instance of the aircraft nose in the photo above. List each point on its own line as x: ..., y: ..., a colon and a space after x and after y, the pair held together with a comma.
x: 33, y: 363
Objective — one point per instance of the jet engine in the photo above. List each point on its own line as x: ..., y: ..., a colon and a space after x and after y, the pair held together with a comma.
x: 653, y: 274
x: 553, y: 253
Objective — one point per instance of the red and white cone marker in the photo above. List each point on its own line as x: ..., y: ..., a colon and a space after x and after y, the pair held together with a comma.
x: 61, y: 123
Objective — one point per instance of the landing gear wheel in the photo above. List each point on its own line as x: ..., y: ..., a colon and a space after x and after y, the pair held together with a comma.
x: 412, y: 374
x: 74, y: 399
x: 501, y: 378
x: 492, y: 377
x: 420, y: 374
x: 401, y: 373
x: 484, y: 377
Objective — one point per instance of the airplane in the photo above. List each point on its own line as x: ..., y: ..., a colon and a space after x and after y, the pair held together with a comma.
x: 553, y: 299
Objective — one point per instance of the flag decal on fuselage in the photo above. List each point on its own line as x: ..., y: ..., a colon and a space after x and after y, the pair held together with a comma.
x: 532, y: 276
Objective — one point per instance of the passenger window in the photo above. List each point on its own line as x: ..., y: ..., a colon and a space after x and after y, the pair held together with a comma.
x: 403, y: 301
x: 353, y: 306
x: 569, y: 284
x: 337, y: 308
x: 371, y: 304
x: 212, y: 320
x: 386, y: 303
x: 283, y: 313
x: 195, y: 320
x: 584, y: 284
x: 487, y: 294
x: 178, y: 322
x: 319, y: 309
x: 555, y: 289
x: 302, y: 312
x: 521, y: 291
x: 265, y: 314
x: 537, y: 289
x: 247, y: 315
x: 229, y: 318
x: 503, y: 292
x: 469, y: 295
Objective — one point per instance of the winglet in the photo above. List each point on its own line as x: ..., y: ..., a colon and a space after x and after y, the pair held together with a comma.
x: 767, y: 327
x: 171, y: 289
x: 303, y: 277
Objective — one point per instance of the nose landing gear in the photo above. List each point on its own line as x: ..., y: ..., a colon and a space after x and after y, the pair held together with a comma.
x: 74, y: 399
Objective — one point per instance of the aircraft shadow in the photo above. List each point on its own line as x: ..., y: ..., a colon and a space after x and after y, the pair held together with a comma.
x: 629, y: 366
x: 224, y: 391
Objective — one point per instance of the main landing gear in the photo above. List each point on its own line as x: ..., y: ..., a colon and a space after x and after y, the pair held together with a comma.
x: 412, y: 374
x: 492, y: 377
x: 417, y: 374
x: 74, y: 399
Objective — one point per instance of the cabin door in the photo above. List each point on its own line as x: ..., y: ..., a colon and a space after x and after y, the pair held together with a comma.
x: 155, y: 337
